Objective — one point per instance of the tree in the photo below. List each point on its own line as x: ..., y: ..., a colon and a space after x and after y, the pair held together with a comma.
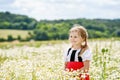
x: 19, y: 37
x: 10, y: 38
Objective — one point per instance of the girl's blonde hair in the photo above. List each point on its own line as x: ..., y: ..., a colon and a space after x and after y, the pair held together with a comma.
x: 83, y: 33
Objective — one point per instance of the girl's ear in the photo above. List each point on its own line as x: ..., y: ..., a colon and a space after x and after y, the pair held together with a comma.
x: 83, y: 43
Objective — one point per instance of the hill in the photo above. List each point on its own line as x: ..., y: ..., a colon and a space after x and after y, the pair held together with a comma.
x: 58, y: 29
x: 15, y: 21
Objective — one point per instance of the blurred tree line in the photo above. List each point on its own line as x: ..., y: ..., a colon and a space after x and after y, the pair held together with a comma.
x: 58, y: 29
x: 14, y: 21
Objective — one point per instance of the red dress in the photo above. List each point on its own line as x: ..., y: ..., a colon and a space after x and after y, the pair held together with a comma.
x: 75, y: 63
x: 72, y: 66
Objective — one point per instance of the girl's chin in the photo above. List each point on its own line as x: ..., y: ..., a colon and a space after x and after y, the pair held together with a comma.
x: 73, y: 44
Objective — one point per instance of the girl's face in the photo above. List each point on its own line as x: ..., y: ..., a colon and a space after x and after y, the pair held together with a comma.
x: 75, y: 39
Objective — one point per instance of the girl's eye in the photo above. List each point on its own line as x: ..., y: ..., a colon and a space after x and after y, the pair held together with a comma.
x: 75, y: 36
x: 70, y: 36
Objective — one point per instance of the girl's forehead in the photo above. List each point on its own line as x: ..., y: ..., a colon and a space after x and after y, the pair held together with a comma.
x: 74, y: 33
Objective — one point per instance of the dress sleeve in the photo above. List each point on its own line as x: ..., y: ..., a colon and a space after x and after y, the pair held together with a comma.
x: 87, y: 55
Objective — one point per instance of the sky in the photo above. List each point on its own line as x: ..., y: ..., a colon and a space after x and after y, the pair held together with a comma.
x: 63, y: 9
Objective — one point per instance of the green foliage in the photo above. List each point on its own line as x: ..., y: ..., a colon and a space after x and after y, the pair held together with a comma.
x: 2, y: 59
x: 59, y: 29
x: 13, y: 21
x: 2, y: 39
x: 19, y: 37
x: 97, y: 28
x: 10, y: 38
x: 117, y: 33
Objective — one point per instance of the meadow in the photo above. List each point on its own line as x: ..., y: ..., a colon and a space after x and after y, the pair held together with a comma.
x: 15, y: 33
x: 45, y: 61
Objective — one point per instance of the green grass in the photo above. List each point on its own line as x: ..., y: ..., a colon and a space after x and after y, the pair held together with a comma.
x: 5, y: 32
x: 31, y: 43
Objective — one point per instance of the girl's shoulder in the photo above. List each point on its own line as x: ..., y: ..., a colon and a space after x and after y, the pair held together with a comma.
x: 66, y: 49
x: 87, y: 55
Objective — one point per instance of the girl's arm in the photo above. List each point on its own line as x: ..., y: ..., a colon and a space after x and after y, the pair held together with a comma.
x: 86, y: 66
x: 86, y: 60
x: 65, y: 65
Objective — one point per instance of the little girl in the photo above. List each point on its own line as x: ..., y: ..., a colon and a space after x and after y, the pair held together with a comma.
x: 78, y: 56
